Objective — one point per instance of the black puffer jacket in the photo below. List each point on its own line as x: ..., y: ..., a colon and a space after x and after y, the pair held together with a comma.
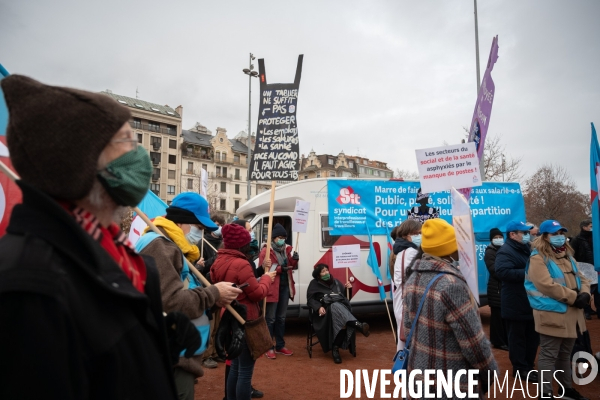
x: 494, y: 286
x: 511, y: 260
x: 582, y: 245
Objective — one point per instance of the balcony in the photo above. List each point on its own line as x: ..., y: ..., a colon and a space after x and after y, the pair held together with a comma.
x: 155, y: 177
x: 156, y: 146
x: 214, y: 175
x: 190, y: 172
x: 155, y: 162
x: 153, y: 128
x: 195, y: 154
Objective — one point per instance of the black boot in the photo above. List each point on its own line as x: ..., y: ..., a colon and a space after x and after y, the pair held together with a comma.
x: 362, y: 327
x: 335, y: 352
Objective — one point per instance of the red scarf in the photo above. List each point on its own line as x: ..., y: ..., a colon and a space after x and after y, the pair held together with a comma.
x: 115, y: 243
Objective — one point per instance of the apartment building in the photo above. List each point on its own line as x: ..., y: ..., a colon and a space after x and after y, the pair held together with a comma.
x: 158, y: 129
x: 326, y: 165
x: 224, y: 160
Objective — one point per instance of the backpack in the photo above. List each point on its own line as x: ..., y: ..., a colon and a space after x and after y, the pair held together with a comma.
x: 190, y: 281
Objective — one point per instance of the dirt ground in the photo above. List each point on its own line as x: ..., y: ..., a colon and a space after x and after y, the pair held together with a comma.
x: 301, y: 377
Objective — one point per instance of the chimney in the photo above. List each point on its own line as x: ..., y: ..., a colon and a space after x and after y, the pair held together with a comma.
x: 179, y: 110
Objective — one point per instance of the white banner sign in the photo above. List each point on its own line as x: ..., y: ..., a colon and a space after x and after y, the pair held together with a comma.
x: 441, y: 168
x: 300, y: 216
x: 203, y: 183
x: 346, y: 256
x: 465, y: 239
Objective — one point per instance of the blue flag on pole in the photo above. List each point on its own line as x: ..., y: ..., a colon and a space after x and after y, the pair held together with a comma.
x: 153, y: 207
x: 594, y: 179
x: 374, y: 264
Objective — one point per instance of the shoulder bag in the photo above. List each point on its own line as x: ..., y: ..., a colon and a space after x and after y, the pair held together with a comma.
x: 401, y: 357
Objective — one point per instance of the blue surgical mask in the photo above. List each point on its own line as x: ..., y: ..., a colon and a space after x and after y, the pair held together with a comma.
x: 280, y: 242
x: 252, y: 235
x: 498, y: 242
x: 194, y: 236
x: 416, y: 239
x: 217, y: 233
x: 526, y: 238
x: 557, y: 241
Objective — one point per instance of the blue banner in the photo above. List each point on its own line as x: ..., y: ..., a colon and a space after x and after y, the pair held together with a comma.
x: 382, y: 205
x: 352, y: 204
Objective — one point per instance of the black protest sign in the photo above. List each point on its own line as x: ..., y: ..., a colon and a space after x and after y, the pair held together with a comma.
x: 276, y: 151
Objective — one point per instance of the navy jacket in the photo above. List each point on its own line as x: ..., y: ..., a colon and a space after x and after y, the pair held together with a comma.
x: 511, y: 260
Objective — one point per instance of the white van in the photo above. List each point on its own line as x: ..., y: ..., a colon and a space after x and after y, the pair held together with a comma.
x: 315, y: 245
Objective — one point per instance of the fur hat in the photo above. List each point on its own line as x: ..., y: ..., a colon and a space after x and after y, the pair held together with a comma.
x: 438, y: 238
x: 55, y: 134
x: 278, y: 230
x: 495, y: 232
x: 234, y: 236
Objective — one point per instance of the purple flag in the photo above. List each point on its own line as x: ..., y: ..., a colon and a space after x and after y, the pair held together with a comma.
x: 483, y: 109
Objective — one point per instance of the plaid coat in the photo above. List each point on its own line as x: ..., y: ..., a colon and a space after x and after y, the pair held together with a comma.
x: 448, y: 335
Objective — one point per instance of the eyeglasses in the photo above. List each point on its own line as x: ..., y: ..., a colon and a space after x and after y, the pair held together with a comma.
x: 131, y: 141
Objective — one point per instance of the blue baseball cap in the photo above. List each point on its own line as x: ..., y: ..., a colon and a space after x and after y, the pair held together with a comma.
x: 551, y: 226
x: 514, y: 226
x: 197, y: 205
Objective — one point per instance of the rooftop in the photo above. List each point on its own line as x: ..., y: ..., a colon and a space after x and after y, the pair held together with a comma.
x: 143, y: 105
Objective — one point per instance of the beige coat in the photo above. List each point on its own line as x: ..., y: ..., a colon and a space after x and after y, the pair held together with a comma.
x: 552, y: 323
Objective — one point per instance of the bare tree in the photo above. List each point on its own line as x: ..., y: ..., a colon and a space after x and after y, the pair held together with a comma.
x: 550, y: 193
x: 406, y: 175
x: 497, y: 165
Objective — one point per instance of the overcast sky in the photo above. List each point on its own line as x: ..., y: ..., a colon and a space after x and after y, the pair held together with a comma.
x: 380, y: 78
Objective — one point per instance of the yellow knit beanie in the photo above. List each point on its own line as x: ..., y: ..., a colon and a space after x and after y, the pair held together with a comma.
x: 438, y: 238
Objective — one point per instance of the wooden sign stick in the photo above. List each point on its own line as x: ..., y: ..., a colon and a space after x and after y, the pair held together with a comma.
x: 197, y: 273
x: 297, y: 239
x: 269, y: 232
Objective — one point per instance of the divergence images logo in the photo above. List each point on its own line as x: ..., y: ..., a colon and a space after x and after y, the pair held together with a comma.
x: 347, y: 196
x: 580, y: 367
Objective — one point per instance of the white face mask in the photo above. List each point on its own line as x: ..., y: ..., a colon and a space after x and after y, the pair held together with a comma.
x: 194, y: 236
x: 416, y: 239
x: 498, y: 242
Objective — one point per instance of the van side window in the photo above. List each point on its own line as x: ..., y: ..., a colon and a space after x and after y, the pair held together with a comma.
x: 284, y: 220
x: 327, y: 240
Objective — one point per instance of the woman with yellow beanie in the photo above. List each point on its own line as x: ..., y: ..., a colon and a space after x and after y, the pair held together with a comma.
x: 448, y: 335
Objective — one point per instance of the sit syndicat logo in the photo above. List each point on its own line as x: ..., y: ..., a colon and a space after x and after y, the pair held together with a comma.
x: 347, y: 196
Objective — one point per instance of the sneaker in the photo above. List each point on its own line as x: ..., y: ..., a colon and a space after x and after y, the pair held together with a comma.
x: 572, y: 394
x: 256, y: 394
x: 209, y: 363
x: 270, y: 354
x: 285, y: 351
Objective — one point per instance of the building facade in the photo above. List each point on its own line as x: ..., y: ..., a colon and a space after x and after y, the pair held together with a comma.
x: 329, y: 166
x: 158, y: 129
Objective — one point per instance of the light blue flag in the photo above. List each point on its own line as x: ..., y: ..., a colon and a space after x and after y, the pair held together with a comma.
x: 594, y: 184
x: 374, y: 264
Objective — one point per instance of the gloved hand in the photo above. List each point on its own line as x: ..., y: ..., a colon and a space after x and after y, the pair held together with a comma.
x: 182, y: 335
x: 295, y: 256
x: 582, y: 300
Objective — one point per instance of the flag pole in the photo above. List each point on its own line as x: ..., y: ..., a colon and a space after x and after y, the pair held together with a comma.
x: 390, y: 317
x: 197, y: 273
x: 269, y: 232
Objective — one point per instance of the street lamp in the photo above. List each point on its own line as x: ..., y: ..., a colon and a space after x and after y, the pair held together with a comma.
x: 251, y: 74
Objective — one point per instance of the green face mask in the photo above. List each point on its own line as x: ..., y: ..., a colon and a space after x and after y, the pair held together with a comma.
x: 127, y: 178
x: 326, y: 277
x: 280, y: 242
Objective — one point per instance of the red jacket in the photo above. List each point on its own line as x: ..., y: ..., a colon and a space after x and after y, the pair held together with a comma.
x: 273, y: 296
x: 232, y: 266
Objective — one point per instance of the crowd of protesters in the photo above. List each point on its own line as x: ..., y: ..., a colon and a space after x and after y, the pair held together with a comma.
x: 90, y: 317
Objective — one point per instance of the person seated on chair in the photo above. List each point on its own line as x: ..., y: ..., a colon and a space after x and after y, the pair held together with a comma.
x: 332, y: 319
